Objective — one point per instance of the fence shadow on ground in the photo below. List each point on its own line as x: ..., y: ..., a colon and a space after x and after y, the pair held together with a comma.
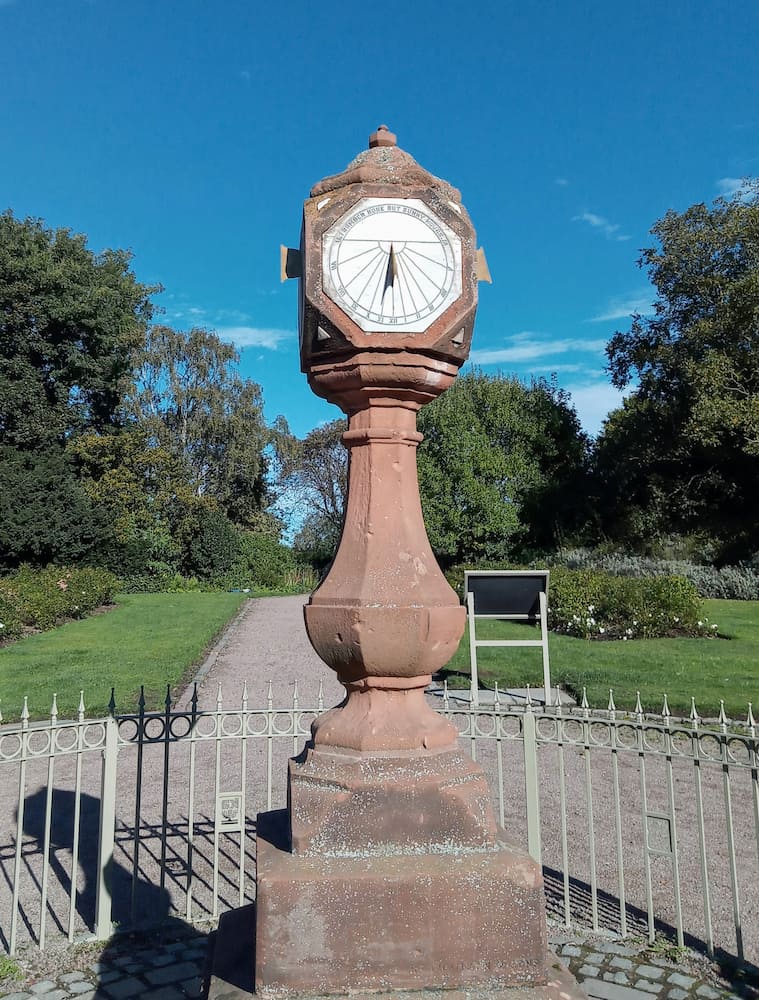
x: 129, y: 895
x: 743, y: 977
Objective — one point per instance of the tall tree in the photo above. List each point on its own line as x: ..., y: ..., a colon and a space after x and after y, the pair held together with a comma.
x: 312, y: 483
x: 696, y: 404
x: 502, y: 469
x: 313, y: 472
x: 70, y: 324
x: 190, y: 398
x: 46, y: 514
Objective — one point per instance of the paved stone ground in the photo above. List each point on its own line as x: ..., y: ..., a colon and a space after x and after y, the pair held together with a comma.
x: 172, y: 966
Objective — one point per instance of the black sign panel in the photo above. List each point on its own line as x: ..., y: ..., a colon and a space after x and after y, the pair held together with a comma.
x: 506, y: 593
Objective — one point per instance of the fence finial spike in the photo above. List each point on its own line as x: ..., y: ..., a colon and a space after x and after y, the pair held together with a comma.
x: 194, y: 699
x: 665, y: 708
x: 695, y: 718
x: 584, y: 703
x: 25, y: 710
x: 245, y: 694
x: 141, y: 702
x: 558, y: 700
x: 219, y: 698
x: 270, y: 695
x: 295, y: 693
x: 638, y: 706
x: 496, y: 695
x: 612, y: 706
x: 167, y: 699
x: 80, y: 707
x: 54, y: 708
x: 722, y: 716
x: 528, y: 699
x: 750, y: 723
x: 1, y: 715
x: 112, y: 703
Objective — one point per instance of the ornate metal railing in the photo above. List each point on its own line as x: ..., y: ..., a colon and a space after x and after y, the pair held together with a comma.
x: 641, y: 822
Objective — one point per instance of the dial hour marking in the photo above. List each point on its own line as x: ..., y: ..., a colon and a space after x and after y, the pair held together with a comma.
x: 391, y: 264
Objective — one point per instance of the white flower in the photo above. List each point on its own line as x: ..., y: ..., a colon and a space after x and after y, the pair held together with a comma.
x: 700, y: 624
x: 601, y: 630
x: 624, y: 638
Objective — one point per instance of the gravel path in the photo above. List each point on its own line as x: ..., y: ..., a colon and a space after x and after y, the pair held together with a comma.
x: 266, y: 642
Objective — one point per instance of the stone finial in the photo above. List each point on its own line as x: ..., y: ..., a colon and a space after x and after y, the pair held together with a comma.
x: 382, y: 137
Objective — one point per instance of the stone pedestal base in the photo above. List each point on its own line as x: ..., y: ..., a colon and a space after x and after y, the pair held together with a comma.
x: 232, y: 966
x: 350, y: 803
x: 396, y: 922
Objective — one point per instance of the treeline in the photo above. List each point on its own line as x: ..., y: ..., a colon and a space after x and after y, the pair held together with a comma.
x: 507, y: 475
x: 131, y: 446
x: 124, y: 444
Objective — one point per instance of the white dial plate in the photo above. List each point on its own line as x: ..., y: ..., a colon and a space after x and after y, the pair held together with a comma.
x: 391, y: 265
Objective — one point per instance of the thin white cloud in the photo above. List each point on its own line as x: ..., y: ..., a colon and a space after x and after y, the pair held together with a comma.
x: 609, y: 229
x: 561, y: 181
x: 550, y: 367
x: 623, y: 308
x: 729, y: 186
x: 235, y: 317
x: 254, y: 336
x: 593, y: 403
x: 528, y: 347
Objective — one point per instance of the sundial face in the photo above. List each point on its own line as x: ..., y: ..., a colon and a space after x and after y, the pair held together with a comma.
x: 391, y: 265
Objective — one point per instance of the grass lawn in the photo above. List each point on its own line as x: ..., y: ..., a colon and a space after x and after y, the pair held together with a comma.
x: 707, y: 669
x: 150, y: 639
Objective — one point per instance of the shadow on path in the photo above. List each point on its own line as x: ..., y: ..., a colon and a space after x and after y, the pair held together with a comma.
x: 165, y: 951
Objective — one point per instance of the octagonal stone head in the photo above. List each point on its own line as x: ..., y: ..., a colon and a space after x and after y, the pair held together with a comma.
x: 385, y: 178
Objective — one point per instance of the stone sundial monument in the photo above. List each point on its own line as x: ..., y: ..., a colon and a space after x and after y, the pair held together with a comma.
x: 387, y: 874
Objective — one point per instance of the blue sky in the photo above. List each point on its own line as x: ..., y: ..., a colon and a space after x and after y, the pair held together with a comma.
x: 191, y: 132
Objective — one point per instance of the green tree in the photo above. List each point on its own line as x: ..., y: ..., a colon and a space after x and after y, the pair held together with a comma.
x: 312, y: 476
x: 46, y: 515
x: 313, y: 472
x: 682, y: 455
x: 502, y: 471
x: 144, y: 491
x: 70, y: 324
x: 502, y: 468
x: 190, y: 399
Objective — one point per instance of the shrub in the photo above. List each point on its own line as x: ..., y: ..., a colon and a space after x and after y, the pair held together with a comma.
x: 10, y: 623
x: 597, y: 605
x: 738, y: 583
x: 211, y: 544
x: 163, y: 581
x: 264, y: 562
x: 592, y: 604
x: 45, y: 598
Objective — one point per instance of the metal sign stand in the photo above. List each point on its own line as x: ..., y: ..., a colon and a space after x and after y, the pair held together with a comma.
x: 508, y: 595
